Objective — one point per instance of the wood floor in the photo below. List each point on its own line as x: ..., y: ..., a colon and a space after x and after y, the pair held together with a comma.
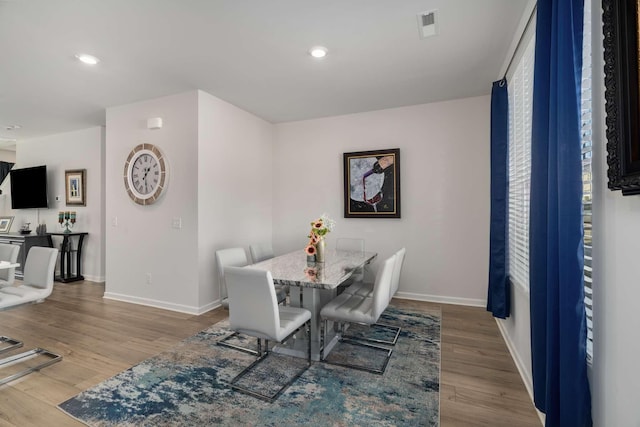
x: 98, y: 338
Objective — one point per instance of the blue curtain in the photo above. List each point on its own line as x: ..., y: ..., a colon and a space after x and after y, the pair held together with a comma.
x: 499, y: 294
x: 558, y: 320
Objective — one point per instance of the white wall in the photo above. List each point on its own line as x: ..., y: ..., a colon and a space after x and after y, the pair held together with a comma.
x: 142, y: 240
x: 220, y: 181
x: 8, y: 156
x: 616, y: 291
x: 72, y: 150
x: 235, y: 151
x: 444, y: 157
x: 516, y: 331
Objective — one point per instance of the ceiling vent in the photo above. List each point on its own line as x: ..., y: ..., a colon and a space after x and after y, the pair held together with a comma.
x: 427, y: 24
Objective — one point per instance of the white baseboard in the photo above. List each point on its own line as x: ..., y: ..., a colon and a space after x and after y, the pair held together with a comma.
x: 163, y: 304
x: 522, y: 368
x: 442, y: 299
x: 208, y: 307
x: 90, y: 278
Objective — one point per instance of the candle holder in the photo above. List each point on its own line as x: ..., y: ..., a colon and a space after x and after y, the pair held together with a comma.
x: 67, y: 220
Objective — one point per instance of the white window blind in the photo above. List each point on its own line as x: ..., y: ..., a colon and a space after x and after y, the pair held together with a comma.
x: 520, y: 112
x: 586, y: 172
x: 520, y: 116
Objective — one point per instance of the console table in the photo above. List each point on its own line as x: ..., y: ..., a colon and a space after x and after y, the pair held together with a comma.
x: 25, y: 241
x: 66, y: 275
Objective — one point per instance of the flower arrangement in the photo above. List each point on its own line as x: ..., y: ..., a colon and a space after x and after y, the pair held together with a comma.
x: 314, y: 274
x: 311, y: 273
x: 319, y: 228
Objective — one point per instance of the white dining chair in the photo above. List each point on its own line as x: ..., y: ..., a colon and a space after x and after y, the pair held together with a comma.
x: 231, y: 257
x: 397, y: 269
x: 254, y: 311
x: 234, y: 257
x: 264, y: 251
x: 8, y: 252
x: 349, y: 308
x: 348, y: 244
x: 261, y: 251
x: 37, y: 283
x: 364, y: 289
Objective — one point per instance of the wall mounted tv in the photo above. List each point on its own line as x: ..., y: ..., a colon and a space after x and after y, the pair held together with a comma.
x: 29, y: 188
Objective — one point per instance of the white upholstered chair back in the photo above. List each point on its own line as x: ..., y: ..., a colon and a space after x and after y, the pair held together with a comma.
x: 8, y: 252
x: 253, y: 306
x: 382, y: 286
x: 350, y: 244
x: 261, y: 252
x: 395, y: 281
x: 40, y: 267
x: 232, y: 257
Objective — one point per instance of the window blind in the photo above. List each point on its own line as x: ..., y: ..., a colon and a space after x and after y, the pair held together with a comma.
x: 520, y: 111
x: 586, y: 127
x: 520, y: 115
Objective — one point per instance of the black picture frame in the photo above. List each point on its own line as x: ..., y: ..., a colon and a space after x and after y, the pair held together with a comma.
x: 376, y: 172
x: 621, y: 69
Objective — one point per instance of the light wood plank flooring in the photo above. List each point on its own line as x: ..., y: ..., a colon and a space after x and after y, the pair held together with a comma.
x: 98, y: 338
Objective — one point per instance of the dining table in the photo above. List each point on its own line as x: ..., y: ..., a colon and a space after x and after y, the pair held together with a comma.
x: 5, y: 265
x: 312, y: 285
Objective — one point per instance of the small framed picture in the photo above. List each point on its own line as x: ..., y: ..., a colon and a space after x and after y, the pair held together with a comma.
x: 75, y: 187
x: 5, y: 223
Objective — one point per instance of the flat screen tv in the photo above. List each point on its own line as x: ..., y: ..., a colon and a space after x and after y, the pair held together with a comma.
x: 29, y: 188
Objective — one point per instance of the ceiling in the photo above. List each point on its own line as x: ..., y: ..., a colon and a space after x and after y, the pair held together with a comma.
x: 251, y: 53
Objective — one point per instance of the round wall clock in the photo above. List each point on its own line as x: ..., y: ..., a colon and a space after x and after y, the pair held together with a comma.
x: 145, y: 174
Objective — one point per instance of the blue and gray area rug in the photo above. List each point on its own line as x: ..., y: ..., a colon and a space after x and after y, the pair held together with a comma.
x: 188, y: 385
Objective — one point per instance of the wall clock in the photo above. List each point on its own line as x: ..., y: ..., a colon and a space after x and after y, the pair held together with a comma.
x: 145, y: 174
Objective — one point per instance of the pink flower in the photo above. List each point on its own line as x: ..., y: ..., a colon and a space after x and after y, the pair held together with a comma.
x: 311, y: 272
x: 310, y: 250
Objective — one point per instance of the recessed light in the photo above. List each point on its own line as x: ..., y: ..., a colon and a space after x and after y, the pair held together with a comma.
x: 87, y: 59
x: 318, y: 52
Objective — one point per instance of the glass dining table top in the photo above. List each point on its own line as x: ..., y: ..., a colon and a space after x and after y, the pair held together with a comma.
x: 294, y: 269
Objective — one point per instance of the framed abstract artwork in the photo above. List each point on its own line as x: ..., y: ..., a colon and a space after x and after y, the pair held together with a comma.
x: 372, y: 184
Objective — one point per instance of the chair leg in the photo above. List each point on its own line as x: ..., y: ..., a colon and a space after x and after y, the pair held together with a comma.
x: 283, y: 301
x: 27, y: 355
x: 323, y: 330
x: 11, y: 344
x: 366, y: 368
x: 309, y: 343
x: 357, y: 342
x: 262, y: 356
x: 374, y: 340
x: 223, y: 343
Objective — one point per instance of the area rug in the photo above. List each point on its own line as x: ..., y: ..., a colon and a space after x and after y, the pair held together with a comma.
x: 188, y: 385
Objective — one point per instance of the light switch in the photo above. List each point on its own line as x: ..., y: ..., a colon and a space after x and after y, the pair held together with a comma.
x: 114, y: 221
x: 176, y: 223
